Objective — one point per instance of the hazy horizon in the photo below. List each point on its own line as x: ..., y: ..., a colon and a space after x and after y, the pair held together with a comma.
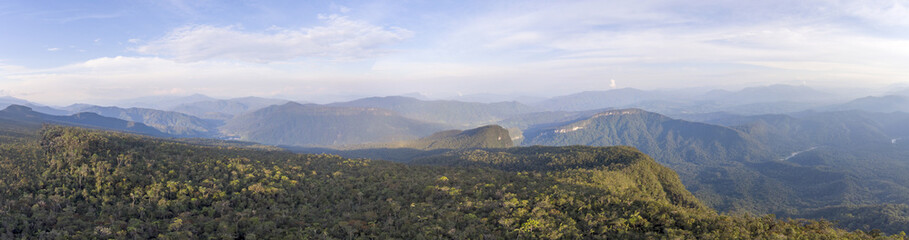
x: 98, y: 52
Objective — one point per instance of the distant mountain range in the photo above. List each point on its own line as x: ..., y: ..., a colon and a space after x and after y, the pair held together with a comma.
x: 315, y: 125
x: 597, y: 100
x: 454, y: 113
x: 772, y: 93
x: 654, y: 134
x: 751, y: 100
x: 788, y: 150
x: 25, y: 115
x: 225, y: 109
x: 162, y: 102
x: 6, y: 101
x: 485, y: 137
x: 888, y: 103
x: 764, y: 163
x: 172, y: 123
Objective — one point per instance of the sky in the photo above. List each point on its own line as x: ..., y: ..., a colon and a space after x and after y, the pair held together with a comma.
x: 63, y: 52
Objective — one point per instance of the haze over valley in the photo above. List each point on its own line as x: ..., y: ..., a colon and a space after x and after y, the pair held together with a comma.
x: 374, y: 120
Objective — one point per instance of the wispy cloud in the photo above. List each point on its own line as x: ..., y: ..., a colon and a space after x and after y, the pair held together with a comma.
x: 53, y: 49
x: 339, y: 38
x: 89, y: 17
x: 104, y: 79
x: 534, y: 47
x: 658, y: 42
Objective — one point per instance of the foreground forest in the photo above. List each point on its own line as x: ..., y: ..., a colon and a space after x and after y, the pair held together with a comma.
x: 62, y: 182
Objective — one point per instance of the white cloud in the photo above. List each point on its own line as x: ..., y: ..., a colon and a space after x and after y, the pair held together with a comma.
x: 102, y: 80
x: 677, y: 43
x: 53, y: 49
x: 882, y: 12
x: 339, y: 39
x: 542, y: 49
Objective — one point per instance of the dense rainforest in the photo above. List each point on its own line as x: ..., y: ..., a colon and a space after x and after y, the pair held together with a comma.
x: 64, y: 182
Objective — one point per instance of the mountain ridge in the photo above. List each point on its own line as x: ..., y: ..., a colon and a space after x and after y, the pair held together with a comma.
x: 317, y: 125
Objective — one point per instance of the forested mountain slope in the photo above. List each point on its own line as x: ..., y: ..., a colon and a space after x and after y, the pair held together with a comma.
x: 173, y: 123
x: 621, y: 170
x: 590, y: 100
x: 26, y: 116
x: 670, y: 140
x: 74, y: 183
x: 782, y: 164
x: 726, y: 168
x: 316, y: 125
x: 492, y: 136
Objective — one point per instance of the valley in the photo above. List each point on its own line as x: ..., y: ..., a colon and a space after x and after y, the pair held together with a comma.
x: 787, y: 164
x: 372, y: 119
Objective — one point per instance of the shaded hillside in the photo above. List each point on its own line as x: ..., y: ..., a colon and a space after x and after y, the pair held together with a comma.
x: 6, y: 101
x: 789, y: 133
x: 455, y: 113
x: 763, y: 164
x: 315, y: 125
x: 669, y: 140
x: 225, y: 109
x: 538, y: 119
x: 23, y: 115
x: 869, y: 218
x: 173, y: 123
x: 86, y: 185
x: 724, y: 167
x: 492, y: 136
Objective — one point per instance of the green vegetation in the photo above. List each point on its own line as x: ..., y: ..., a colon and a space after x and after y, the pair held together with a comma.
x: 713, y: 161
x: 844, y: 159
x: 75, y: 183
x: 492, y: 136
x: 887, y: 218
x: 618, y: 170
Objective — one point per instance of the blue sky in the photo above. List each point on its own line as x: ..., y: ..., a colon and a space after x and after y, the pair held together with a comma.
x: 61, y: 52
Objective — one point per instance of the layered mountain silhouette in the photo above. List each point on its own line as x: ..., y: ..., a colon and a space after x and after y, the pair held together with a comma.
x: 315, y: 125
x: 813, y: 154
x: 25, y: 115
x: 667, y: 139
x: 597, y: 100
x: 748, y: 167
x: 172, y: 123
x: 888, y: 103
x: 223, y: 109
x: 454, y: 113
